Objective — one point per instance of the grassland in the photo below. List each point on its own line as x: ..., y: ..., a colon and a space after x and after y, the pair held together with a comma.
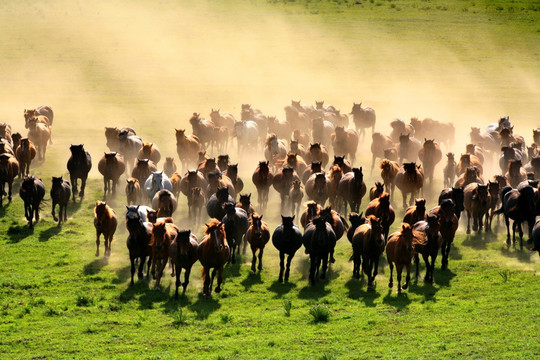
x: 149, y: 65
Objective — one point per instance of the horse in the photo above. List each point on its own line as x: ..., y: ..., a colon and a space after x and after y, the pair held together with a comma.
x: 247, y: 135
x: 318, y: 188
x: 176, y: 181
x: 429, y: 128
x: 257, y: 236
x: 16, y: 137
x: 262, y: 178
x: 477, y: 202
x: 363, y: 117
x: 335, y: 176
x: 311, y: 210
x: 379, y: 144
x: 169, y: 167
x: 490, y: 143
x: 282, y: 183
x: 195, y: 204
x: 297, y: 148
x: 534, y: 166
x: 187, y: 147
x: 60, y: 194
x: 296, y: 162
x: 133, y: 191
x: 318, y: 152
x: 457, y: 196
x: 149, y: 151
x: 338, y: 224
x: 5, y: 133
x: 472, y: 174
x: 449, y: 171
x: 507, y: 137
x: 143, y: 169
x: 468, y: 160
x: 389, y: 171
x: 376, y: 190
x: 164, y: 202
x: 429, y: 229
x: 163, y: 235
x: 214, y: 206
x: 400, y: 252
x: 275, y: 149
x: 138, y: 242
x: 381, y: 208
x: 410, y: 180
x: 508, y: 154
x: 213, y: 253
x: 345, y: 142
x: 368, y: 245
x: 313, y: 168
x: 321, y: 131
x: 494, y: 196
x: 296, y: 194
x: 408, y: 148
x: 183, y: 253
x: 111, y: 136
x: 301, y: 137
x: 415, y: 213
x: 191, y: 179
x: 449, y: 223
x: 232, y: 174
x: 43, y: 110
x: 287, y: 239
x: 352, y: 189
x: 25, y: 153
x: 39, y: 134
x: 249, y: 113
x: 129, y: 146
x: 79, y: 165
x: 430, y: 155
x: 207, y: 166
x: 31, y: 192
x: 476, y: 151
x: 236, y: 223
x: 343, y: 163
x: 217, y: 180
x: 518, y: 205
x: 105, y: 222
x: 319, y: 241
x: 282, y: 128
x: 203, y: 129
x: 515, y: 173
x: 9, y: 168
x: 225, y: 119
x: 399, y: 127
x: 5, y: 147
x: 111, y: 166
x: 155, y: 182
x: 356, y: 220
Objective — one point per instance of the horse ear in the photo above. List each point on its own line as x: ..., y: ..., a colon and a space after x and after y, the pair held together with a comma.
x: 293, y: 217
x: 127, y: 207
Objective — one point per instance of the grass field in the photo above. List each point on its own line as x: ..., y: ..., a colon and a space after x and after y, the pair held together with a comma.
x: 149, y: 65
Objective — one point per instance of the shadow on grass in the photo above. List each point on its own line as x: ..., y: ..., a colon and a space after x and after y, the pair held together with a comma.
x: 514, y: 252
x: 443, y: 277
x: 95, y: 266
x: 151, y: 296
x: 281, y: 289
x: 50, y: 232
x: 124, y: 274
x: 139, y: 287
x: 73, y: 207
x: 479, y: 241
x: 17, y: 233
x: 314, y: 292
x: 233, y: 270
x: 251, y: 279
x: 399, y: 301
x: 204, y: 306
x: 358, y: 291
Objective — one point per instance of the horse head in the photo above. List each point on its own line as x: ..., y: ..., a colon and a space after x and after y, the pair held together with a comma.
x: 256, y: 220
x: 217, y: 234
x: 183, y: 242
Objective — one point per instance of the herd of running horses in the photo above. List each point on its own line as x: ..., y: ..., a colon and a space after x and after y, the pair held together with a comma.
x: 298, y: 165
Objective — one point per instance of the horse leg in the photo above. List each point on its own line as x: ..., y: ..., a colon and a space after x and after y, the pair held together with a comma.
x: 98, y: 233
x: 507, y: 222
x: 261, y: 251
x: 312, y: 267
x: 132, y: 259
x: 207, y: 286
x: 281, y: 266
x: 357, y: 261
x: 375, y: 268
x: 391, y: 265
x: 141, y: 268
x: 65, y: 212
x: 288, y: 270
x: 219, y: 279
x: 373, y: 162
x: 186, y: 279
x: 53, y: 211
x: 469, y: 222
x: 153, y: 268
x: 254, y: 259
x: 408, y: 277
x: 417, y: 263
x: 83, y: 185
x: 404, y: 199
x: 324, y: 266
x: 399, y: 269
x: 105, y: 186
x: 74, y: 183
x: 177, y: 283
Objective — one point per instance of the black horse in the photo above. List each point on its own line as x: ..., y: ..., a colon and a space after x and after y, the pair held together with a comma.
x: 236, y: 222
x: 32, y: 192
x: 319, y: 240
x: 138, y: 242
x: 79, y: 165
x: 214, y: 206
x: 60, y: 194
x: 287, y: 238
x: 518, y: 205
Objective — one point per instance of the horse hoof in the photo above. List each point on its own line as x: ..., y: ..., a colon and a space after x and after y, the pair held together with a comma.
x: 218, y: 290
x: 332, y: 260
x: 468, y: 231
x: 280, y: 280
x: 405, y: 286
x: 390, y: 284
x: 97, y: 254
x: 323, y: 276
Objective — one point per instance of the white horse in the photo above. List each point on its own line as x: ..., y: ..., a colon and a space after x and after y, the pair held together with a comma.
x: 247, y: 134
x: 155, y: 182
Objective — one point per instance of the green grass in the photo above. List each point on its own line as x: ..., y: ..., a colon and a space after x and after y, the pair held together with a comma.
x: 150, y: 65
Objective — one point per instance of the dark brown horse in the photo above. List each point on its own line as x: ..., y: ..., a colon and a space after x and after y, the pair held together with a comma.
x: 282, y: 183
x: 430, y: 155
x: 352, y: 189
x: 318, y: 188
x: 183, y: 253
x: 192, y: 179
x: 203, y: 129
x: 105, y: 222
x: 195, y: 204
x: 515, y: 173
x: 477, y: 202
x: 263, y: 179
x: 138, y: 242
x: 311, y: 210
x: 415, y: 213
x: 363, y: 117
x: 368, y: 245
x: 213, y: 254
x: 389, y: 170
x: 381, y: 208
x: 410, y: 180
x: 379, y: 144
x: 79, y: 165
x: 257, y: 236
x: 31, y: 192
x: 376, y: 190
x: 345, y: 142
x: 343, y: 163
x: 142, y: 170
x: 468, y: 160
x: 111, y: 166
x: 60, y: 194
x: 400, y: 252
x: 232, y: 173
x: 133, y: 191
x: 408, y: 148
x: 245, y: 203
x: 25, y: 153
x: 287, y: 239
x: 429, y: 245
x: 448, y: 222
x: 471, y: 175
x: 163, y: 235
x: 9, y: 168
x: 216, y: 203
x: 313, y: 168
x: 319, y: 240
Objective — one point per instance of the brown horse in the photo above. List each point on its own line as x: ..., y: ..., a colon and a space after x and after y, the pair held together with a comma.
x: 275, y: 149
x: 296, y: 194
x: 321, y: 131
x: 79, y: 165
x: 232, y: 174
x: 39, y: 134
x: 476, y: 151
x: 471, y: 175
x: 381, y: 208
x: 444, y: 132
x: 448, y: 222
x: 494, y: 196
x: 318, y: 152
x: 60, y: 194
x: 187, y: 147
x: 31, y: 192
x: 191, y: 179
x: 389, y: 170
x: 352, y: 189
x: 515, y: 173
x: 368, y: 245
x: 203, y: 129
x: 163, y: 235
x: 142, y: 170
x: 430, y: 242
x: 449, y: 170
x: 297, y: 148
x: 430, y: 155
x: 477, y: 202
x: 363, y: 117
x: 314, y: 167
x: 133, y: 191
x: 215, y: 181
x: 245, y: 203
x: 207, y: 166
x: 195, y: 204
x: 16, y: 140
x: 400, y: 252
x: 410, y: 180
x: 415, y: 213
x: 296, y: 162
x: 111, y: 136
x: 379, y: 144
x: 5, y: 133
x: 176, y: 181
x: 105, y: 222
x: 399, y: 127
x: 257, y: 236
x: 311, y: 210
x: 287, y: 239
x: 169, y: 167
x: 183, y: 253
x: 282, y: 128
x: 335, y: 177
x: 111, y: 166
x: 150, y: 151
x: 164, y: 202
x: 343, y: 163
x: 9, y: 168
x: 376, y: 190
x: 213, y: 253
x: 25, y: 153
x: 408, y: 148
x: 282, y: 183
x: 301, y: 137
x: 468, y: 160
x: 263, y: 179
x: 318, y: 188
x: 345, y: 142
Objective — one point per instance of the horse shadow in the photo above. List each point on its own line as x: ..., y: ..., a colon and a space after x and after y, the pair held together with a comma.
x: 149, y: 297
x: 129, y: 293
x: 251, y: 279
x: 357, y: 292
x: 479, y: 241
x: 314, y: 292
x: 443, y: 277
x: 173, y: 305
x: 123, y: 274
x: 400, y: 302
x: 204, y: 306
x: 281, y: 289
x: 455, y: 254
x: 424, y: 288
x: 50, y: 232
x: 521, y: 255
x: 95, y: 266
x: 233, y: 270
x: 17, y: 233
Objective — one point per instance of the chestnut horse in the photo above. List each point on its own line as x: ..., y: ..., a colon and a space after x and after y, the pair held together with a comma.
x: 311, y: 210
x: 143, y: 168
x: 363, y: 117
x: 164, y: 202
x: 477, y: 202
x: 318, y: 152
x: 79, y: 165
x: 203, y: 129
x: 335, y: 177
x: 111, y: 136
x: 9, y: 168
x: 263, y: 179
x: 163, y: 235
x: 430, y: 155
x: 257, y: 236
x: 183, y: 253
x: 133, y: 191
x: 368, y: 245
x: 25, y: 153
x: 150, y: 151
x: 345, y: 142
x: 105, y: 222
x: 245, y: 203
x: 379, y: 144
x: 415, y: 213
x: 400, y: 252
x: 187, y: 147
x: 111, y: 166
x: 296, y: 194
x: 376, y: 190
x: 282, y: 183
x: 60, y: 194
x: 389, y: 170
x: 380, y: 207
x: 213, y: 253
x: 314, y: 167
x: 39, y: 134
x: 287, y: 239
x: 410, y: 180
x: 318, y: 188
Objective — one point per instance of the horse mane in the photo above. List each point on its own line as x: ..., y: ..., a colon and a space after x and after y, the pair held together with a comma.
x: 213, y: 223
x: 384, y: 163
x: 269, y: 138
